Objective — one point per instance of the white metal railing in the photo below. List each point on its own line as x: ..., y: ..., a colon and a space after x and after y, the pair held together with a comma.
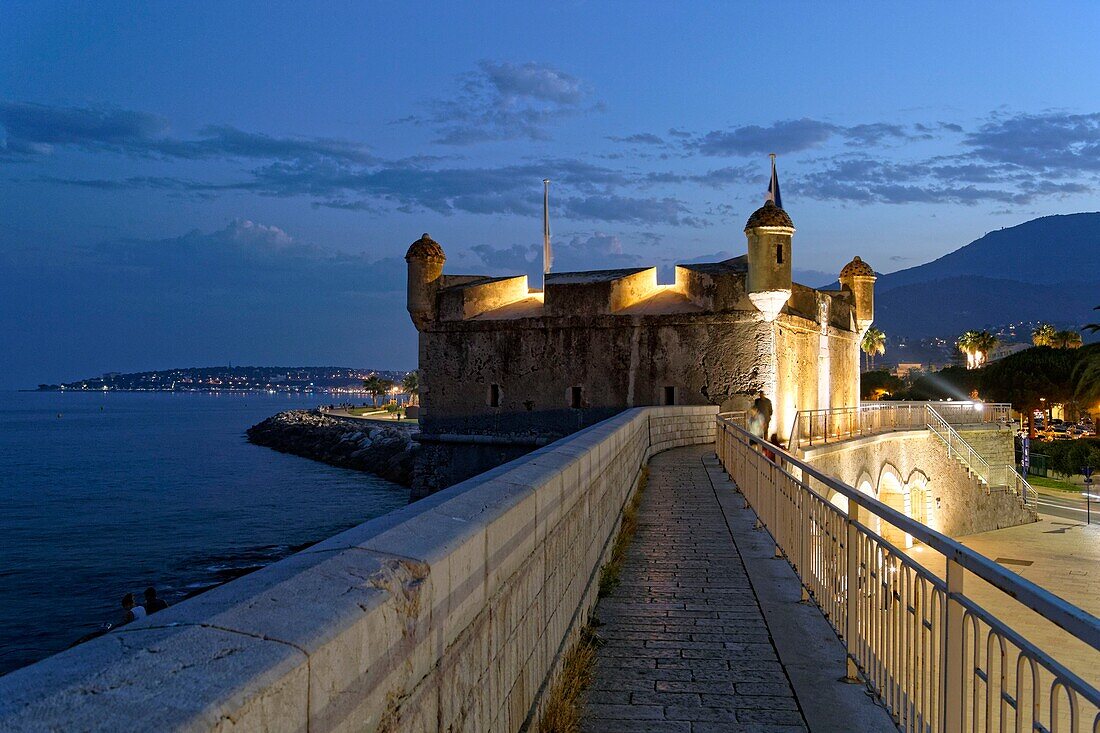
x: 819, y: 427
x: 939, y: 660
x: 815, y: 427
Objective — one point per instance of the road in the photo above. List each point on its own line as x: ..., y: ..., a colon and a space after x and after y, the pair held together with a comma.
x: 1067, y: 505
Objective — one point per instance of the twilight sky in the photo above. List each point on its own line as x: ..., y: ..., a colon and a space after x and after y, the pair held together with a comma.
x: 191, y: 184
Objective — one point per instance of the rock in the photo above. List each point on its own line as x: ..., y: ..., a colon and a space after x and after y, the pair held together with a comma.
x: 387, y: 451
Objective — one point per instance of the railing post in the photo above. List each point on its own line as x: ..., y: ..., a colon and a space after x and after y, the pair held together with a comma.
x: 851, y: 628
x: 954, y: 652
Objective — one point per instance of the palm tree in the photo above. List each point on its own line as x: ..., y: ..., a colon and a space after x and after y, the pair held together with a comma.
x: 976, y: 345
x: 1068, y: 339
x: 1086, y: 380
x: 986, y: 343
x: 1043, y: 335
x: 374, y: 385
x: 874, y: 342
x: 411, y: 385
x: 1092, y: 327
x: 386, y: 386
x: 966, y: 344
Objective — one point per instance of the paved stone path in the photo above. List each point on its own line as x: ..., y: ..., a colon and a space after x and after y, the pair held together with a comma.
x: 686, y: 646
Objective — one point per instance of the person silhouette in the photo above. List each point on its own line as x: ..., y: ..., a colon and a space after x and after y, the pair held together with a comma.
x: 152, y: 603
x: 133, y: 611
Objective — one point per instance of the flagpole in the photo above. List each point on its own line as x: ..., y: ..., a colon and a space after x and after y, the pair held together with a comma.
x: 547, y: 254
x: 773, y: 185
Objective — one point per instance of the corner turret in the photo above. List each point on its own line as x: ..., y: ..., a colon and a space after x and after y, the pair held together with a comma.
x: 769, y: 231
x: 425, y: 259
x: 859, y: 278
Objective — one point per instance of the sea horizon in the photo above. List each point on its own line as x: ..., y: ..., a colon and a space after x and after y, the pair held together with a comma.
x: 111, y: 492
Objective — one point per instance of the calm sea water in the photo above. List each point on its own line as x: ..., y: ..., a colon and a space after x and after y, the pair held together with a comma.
x: 103, y: 494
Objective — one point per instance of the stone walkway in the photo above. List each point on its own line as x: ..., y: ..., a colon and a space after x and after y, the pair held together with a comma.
x: 687, y: 647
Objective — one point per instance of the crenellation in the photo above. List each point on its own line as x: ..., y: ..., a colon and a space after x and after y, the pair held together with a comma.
x: 466, y: 301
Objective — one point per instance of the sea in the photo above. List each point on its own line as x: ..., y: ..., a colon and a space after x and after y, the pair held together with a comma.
x: 108, y: 493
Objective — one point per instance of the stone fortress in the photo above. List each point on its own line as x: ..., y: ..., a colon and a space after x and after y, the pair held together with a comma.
x: 505, y: 367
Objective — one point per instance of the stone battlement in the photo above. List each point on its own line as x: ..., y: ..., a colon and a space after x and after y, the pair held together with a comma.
x: 717, y: 287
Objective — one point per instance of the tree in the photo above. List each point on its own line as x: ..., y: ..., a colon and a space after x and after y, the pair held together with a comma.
x: 976, y: 345
x: 877, y: 385
x: 1086, y: 379
x: 1043, y: 335
x: 386, y: 385
x: 375, y: 385
x: 411, y: 385
x: 1028, y: 377
x: 967, y: 345
x: 1068, y: 457
x: 874, y: 342
x: 1066, y: 340
x: 1092, y: 327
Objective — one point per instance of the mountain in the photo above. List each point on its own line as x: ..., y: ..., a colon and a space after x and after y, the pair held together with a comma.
x: 1047, y: 269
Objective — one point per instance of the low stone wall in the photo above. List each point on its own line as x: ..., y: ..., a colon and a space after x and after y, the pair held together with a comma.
x: 995, y: 443
x: 959, y: 505
x: 449, y: 614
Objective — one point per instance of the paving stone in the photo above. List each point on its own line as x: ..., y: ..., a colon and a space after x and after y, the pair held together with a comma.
x: 625, y: 712
x: 665, y: 698
x: 686, y: 642
x: 704, y: 726
x: 604, y: 725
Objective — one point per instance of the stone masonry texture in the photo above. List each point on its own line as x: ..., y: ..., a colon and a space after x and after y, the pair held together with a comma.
x: 685, y: 646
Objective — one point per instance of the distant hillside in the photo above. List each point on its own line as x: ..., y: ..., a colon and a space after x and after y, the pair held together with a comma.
x: 228, y: 378
x: 1045, y: 269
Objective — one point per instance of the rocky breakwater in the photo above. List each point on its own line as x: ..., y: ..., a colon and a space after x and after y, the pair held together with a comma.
x: 365, y: 445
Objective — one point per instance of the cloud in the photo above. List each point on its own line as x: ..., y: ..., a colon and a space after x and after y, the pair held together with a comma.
x: 794, y: 136
x: 573, y: 252
x: 641, y: 138
x: 1007, y: 159
x: 506, y: 101
x: 35, y: 129
x: 786, y: 136
x: 873, y: 134
x: 579, y: 190
x: 613, y: 208
x: 861, y: 179
x: 713, y: 178
x: 1059, y: 143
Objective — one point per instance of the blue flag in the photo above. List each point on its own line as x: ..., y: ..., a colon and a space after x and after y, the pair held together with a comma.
x: 773, y: 187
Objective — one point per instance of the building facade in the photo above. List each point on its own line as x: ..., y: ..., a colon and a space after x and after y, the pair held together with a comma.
x: 505, y: 367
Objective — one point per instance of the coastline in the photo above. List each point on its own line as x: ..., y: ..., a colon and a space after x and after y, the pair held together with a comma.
x: 387, y: 451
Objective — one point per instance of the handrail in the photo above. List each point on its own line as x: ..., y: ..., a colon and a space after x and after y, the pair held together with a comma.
x: 841, y: 423
x: 972, y: 456
x: 870, y: 418
x: 985, y: 473
x: 1033, y: 596
x: 925, y: 646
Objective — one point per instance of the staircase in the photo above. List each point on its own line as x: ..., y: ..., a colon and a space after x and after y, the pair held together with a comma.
x: 1002, y: 478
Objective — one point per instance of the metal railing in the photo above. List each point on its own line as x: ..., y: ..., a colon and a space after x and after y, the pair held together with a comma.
x: 991, y: 477
x: 816, y: 427
x: 937, y: 659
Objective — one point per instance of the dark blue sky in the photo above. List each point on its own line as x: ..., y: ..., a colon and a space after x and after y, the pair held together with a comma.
x: 193, y: 184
